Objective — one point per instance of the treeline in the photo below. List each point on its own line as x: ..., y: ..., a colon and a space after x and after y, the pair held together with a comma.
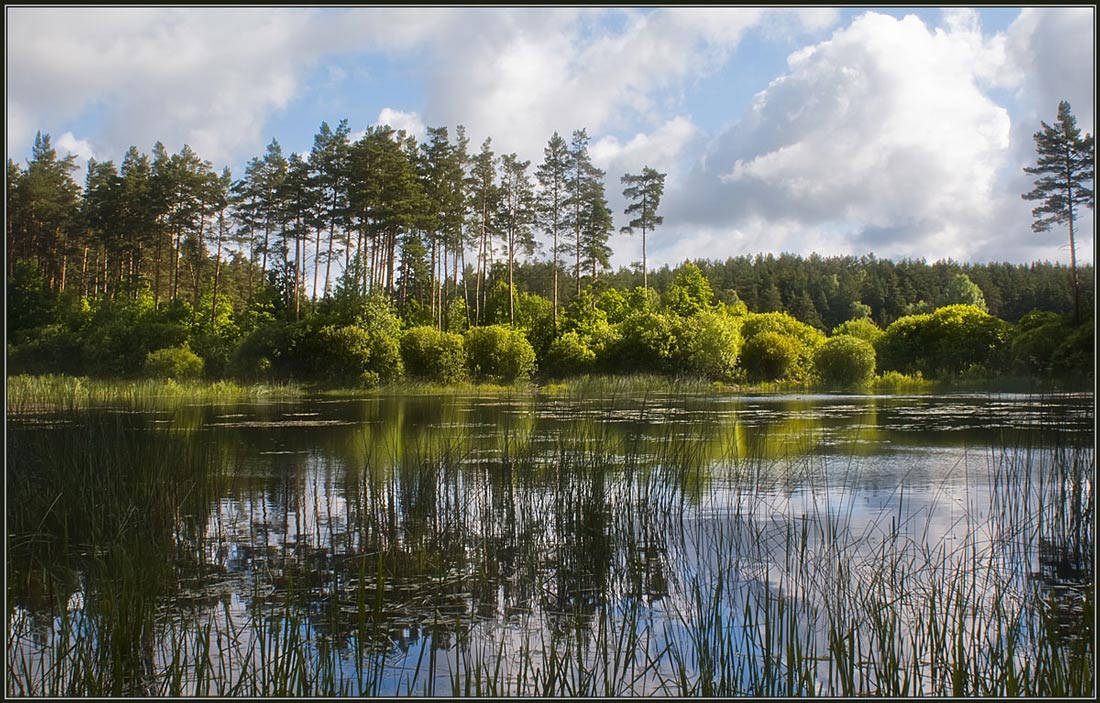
x: 164, y: 266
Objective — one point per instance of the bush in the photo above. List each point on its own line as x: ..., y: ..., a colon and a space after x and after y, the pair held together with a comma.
x: 905, y: 345
x: 1034, y: 340
x: 498, y: 353
x: 649, y: 343
x: 173, y: 362
x: 355, y: 356
x: 569, y: 355
x: 862, y: 328
x: 710, y: 343
x: 431, y: 355
x: 845, y: 360
x: 770, y: 356
x: 807, y: 339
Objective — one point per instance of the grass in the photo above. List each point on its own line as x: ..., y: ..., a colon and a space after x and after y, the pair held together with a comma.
x: 569, y: 561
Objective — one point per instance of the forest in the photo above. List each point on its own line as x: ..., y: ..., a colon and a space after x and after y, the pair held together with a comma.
x: 376, y: 259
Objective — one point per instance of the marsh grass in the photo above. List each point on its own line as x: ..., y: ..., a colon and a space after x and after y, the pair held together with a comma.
x: 564, y: 562
x: 29, y: 394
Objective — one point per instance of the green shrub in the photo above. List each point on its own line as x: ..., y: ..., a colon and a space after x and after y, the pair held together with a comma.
x: 569, y: 355
x: 965, y: 336
x: 1034, y: 340
x: 173, y: 362
x: 649, y: 343
x: 710, y: 343
x: 431, y: 355
x: 690, y: 291
x: 905, y: 345
x: 47, y: 350
x: 1076, y: 353
x: 498, y: 353
x: 845, y: 360
x: 771, y: 356
x: 351, y: 355
x: 807, y: 338
x: 863, y: 328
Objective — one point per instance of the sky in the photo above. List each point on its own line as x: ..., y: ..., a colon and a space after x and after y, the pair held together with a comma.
x: 901, y: 132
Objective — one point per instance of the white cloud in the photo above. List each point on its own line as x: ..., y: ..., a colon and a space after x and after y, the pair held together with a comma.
x: 661, y: 149
x: 881, y: 135
x: 408, y: 121
x: 81, y: 148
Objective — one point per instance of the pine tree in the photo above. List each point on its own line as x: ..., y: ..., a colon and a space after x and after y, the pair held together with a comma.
x: 1065, y: 170
x: 552, y: 176
x: 517, y: 216
x: 645, y: 190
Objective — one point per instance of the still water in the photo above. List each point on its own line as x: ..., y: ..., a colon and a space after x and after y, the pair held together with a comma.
x: 629, y: 544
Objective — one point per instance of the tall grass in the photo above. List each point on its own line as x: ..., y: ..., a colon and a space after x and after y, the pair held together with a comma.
x: 27, y: 394
x: 560, y: 560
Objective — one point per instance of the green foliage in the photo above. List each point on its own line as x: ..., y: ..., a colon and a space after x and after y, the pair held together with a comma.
x: 268, y: 353
x: 964, y: 337
x: 351, y: 355
x: 690, y: 291
x: 431, y: 355
x: 499, y: 354
x: 176, y: 363
x: 48, y: 349
x: 614, y: 305
x: 772, y: 356
x: 951, y: 340
x: 905, y: 345
x: 650, y: 343
x: 569, y: 354
x: 1034, y: 340
x: 1077, y: 353
x: 583, y: 315
x: 370, y: 311
x: 862, y: 328
x: 844, y: 360
x: 710, y: 343
x: 960, y: 290
x: 779, y: 323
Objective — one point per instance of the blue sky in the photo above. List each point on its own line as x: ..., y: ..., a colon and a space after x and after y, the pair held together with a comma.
x: 898, y: 131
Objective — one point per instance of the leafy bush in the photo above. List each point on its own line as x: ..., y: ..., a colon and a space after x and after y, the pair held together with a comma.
x: 690, y: 291
x: 49, y: 349
x: 905, y: 345
x: 863, y: 328
x: 965, y: 336
x: 173, y: 362
x: 649, y: 343
x: 432, y: 355
x: 808, y: 339
x: 1034, y: 340
x: 568, y: 355
x: 498, y: 353
x: 710, y: 343
x: 771, y: 356
x: 845, y: 360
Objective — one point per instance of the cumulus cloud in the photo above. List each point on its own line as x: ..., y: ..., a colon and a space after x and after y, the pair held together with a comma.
x: 80, y: 148
x: 881, y: 135
x: 408, y: 121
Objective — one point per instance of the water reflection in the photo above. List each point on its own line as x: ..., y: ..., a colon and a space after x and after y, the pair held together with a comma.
x: 396, y: 545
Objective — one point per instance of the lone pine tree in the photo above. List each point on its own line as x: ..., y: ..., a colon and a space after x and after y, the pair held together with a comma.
x: 1065, y: 174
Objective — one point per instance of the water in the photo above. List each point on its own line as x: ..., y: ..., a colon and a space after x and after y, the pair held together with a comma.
x: 512, y: 544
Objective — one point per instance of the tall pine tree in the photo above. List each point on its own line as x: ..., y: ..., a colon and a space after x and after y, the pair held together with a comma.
x: 1065, y: 171
x: 645, y: 190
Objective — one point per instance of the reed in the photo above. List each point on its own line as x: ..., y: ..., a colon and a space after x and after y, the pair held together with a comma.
x: 545, y: 560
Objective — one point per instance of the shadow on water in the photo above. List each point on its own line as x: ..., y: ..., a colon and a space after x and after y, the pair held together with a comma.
x: 628, y: 544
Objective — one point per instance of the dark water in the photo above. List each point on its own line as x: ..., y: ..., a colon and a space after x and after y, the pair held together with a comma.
x: 391, y: 545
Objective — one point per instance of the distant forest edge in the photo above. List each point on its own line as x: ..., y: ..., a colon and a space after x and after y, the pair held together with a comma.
x: 369, y: 261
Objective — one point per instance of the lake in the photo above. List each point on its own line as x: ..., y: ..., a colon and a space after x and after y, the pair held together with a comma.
x: 621, y: 542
